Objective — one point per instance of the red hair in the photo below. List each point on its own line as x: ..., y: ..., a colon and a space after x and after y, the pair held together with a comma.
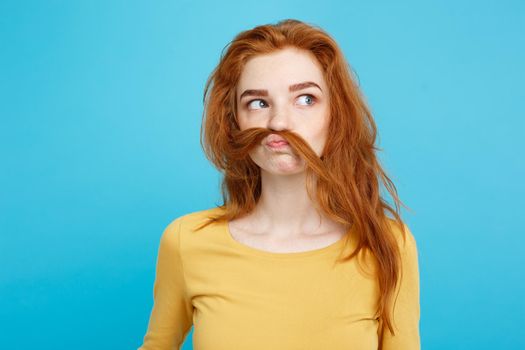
x: 346, y: 177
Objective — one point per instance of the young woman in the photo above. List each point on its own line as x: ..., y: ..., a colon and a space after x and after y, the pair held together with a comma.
x: 301, y: 254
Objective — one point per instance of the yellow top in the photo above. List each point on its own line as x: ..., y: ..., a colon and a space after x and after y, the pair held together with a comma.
x: 240, y: 297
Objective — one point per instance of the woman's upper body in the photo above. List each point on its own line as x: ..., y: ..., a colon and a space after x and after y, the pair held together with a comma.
x: 243, y: 297
x: 295, y: 139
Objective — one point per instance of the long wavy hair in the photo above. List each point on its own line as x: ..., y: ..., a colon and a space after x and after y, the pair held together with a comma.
x: 345, y: 178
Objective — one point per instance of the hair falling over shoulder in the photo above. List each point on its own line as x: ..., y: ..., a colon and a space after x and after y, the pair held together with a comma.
x: 348, y: 174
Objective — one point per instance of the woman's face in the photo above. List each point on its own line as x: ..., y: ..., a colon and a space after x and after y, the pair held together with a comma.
x: 284, y: 90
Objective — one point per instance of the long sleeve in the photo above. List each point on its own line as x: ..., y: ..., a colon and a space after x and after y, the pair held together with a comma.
x: 172, y: 313
x: 407, y: 308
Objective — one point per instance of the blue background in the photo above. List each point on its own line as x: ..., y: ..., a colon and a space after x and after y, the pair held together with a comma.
x: 100, y: 120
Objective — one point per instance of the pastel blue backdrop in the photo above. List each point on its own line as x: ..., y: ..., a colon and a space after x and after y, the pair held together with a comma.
x: 100, y: 120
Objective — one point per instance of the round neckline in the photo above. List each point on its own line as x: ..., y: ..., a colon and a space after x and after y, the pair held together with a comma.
x: 284, y: 255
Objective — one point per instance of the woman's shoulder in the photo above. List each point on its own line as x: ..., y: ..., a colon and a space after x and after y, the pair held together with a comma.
x: 192, y: 220
x: 403, y: 235
x: 195, y: 218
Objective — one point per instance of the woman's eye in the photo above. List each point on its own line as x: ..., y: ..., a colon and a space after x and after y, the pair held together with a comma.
x: 256, y: 104
x: 307, y: 99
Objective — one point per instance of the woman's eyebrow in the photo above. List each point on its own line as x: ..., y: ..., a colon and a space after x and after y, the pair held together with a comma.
x: 291, y: 88
x: 303, y: 85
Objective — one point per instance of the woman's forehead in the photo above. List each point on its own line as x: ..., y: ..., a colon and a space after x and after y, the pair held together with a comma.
x: 279, y: 70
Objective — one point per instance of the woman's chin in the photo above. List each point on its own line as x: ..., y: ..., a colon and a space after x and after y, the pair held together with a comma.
x: 285, y: 167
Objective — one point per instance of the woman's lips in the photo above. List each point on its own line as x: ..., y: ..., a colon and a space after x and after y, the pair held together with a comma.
x: 277, y: 144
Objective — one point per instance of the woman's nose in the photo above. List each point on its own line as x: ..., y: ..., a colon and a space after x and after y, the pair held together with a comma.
x: 279, y: 118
